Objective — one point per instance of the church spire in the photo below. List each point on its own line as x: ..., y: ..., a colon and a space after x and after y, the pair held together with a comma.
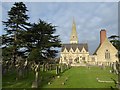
x: 73, y: 37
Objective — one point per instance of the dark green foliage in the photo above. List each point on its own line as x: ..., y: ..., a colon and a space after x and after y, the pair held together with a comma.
x: 27, y: 45
x: 36, y: 42
x: 7, y: 53
x: 115, y: 40
x: 17, y: 18
x: 42, y: 41
x: 34, y: 55
x: 15, y: 25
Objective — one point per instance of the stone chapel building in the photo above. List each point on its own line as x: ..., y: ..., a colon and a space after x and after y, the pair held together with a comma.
x: 77, y: 54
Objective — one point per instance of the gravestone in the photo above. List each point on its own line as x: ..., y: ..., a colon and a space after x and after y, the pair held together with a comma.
x: 61, y: 67
x: 43, y: 67
x: 115, y: 68
x: 58, y: 76
x: 34, y: 84
x: 49, y: 83
x: 63, y: 83
x: 66, y: 78
x: 56, y: 69
x: 50, y: 67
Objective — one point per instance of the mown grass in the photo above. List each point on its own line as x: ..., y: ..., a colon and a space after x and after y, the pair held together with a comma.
x: 83, y: 77
x: 78, y: 77
x: 9, y: 79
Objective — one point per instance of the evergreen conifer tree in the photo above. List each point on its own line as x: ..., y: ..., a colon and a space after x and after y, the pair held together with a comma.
x: 15, y: 25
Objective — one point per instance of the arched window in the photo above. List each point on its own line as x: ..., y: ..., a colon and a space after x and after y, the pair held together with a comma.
x: 107, y: 54
x: 65, y: 58
x: 76, y: 60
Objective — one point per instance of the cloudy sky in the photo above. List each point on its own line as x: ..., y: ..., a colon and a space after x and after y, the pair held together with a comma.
x: 90, y: 18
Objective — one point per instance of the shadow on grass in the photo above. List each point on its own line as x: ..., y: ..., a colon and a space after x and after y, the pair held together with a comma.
x: 47, y: 77
x: 9, y: 80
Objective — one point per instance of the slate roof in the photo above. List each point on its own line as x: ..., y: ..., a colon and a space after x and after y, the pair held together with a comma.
x: 75, y: 46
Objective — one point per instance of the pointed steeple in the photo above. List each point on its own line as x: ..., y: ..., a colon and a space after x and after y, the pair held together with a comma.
x: 73, y: 37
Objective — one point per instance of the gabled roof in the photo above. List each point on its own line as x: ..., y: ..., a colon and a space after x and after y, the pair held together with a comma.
x: 75, y: 46
x: 96, y: 49
x: 100, y: 45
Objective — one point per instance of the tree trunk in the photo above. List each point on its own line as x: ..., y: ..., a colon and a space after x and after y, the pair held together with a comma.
x: 35, y: 83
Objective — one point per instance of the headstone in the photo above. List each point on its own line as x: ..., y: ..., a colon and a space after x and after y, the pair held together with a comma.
x: 34, y: 84
x: 47, y: 67
x: 66, y: 78
x: 49, y: 83
x: 20, y: 73
x: 115, y: 68
x: 110, y: 71
x: 61, y: 68
x: 16, y: 78
x: 97, y: 78
x: 58, y: 76
x: 53, y: 77
x: 43, y: 67
x: 56, y: 69
x: 50, y: 66
x: 63, y: 83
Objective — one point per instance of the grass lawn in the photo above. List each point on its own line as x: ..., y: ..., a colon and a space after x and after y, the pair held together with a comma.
x: 82, y: 77
x: 9, y: 79
x: 78, y: 77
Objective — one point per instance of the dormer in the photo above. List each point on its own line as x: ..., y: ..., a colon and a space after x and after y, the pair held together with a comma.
x: 83, y: 50
x: 77, y: 50
x: 71, y: 50
x: 65, y: 51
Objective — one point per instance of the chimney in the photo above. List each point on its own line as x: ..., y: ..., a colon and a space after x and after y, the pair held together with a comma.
x: 102, y: 35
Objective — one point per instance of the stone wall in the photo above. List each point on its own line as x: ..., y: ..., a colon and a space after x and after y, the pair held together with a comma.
x: 106, y: 46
